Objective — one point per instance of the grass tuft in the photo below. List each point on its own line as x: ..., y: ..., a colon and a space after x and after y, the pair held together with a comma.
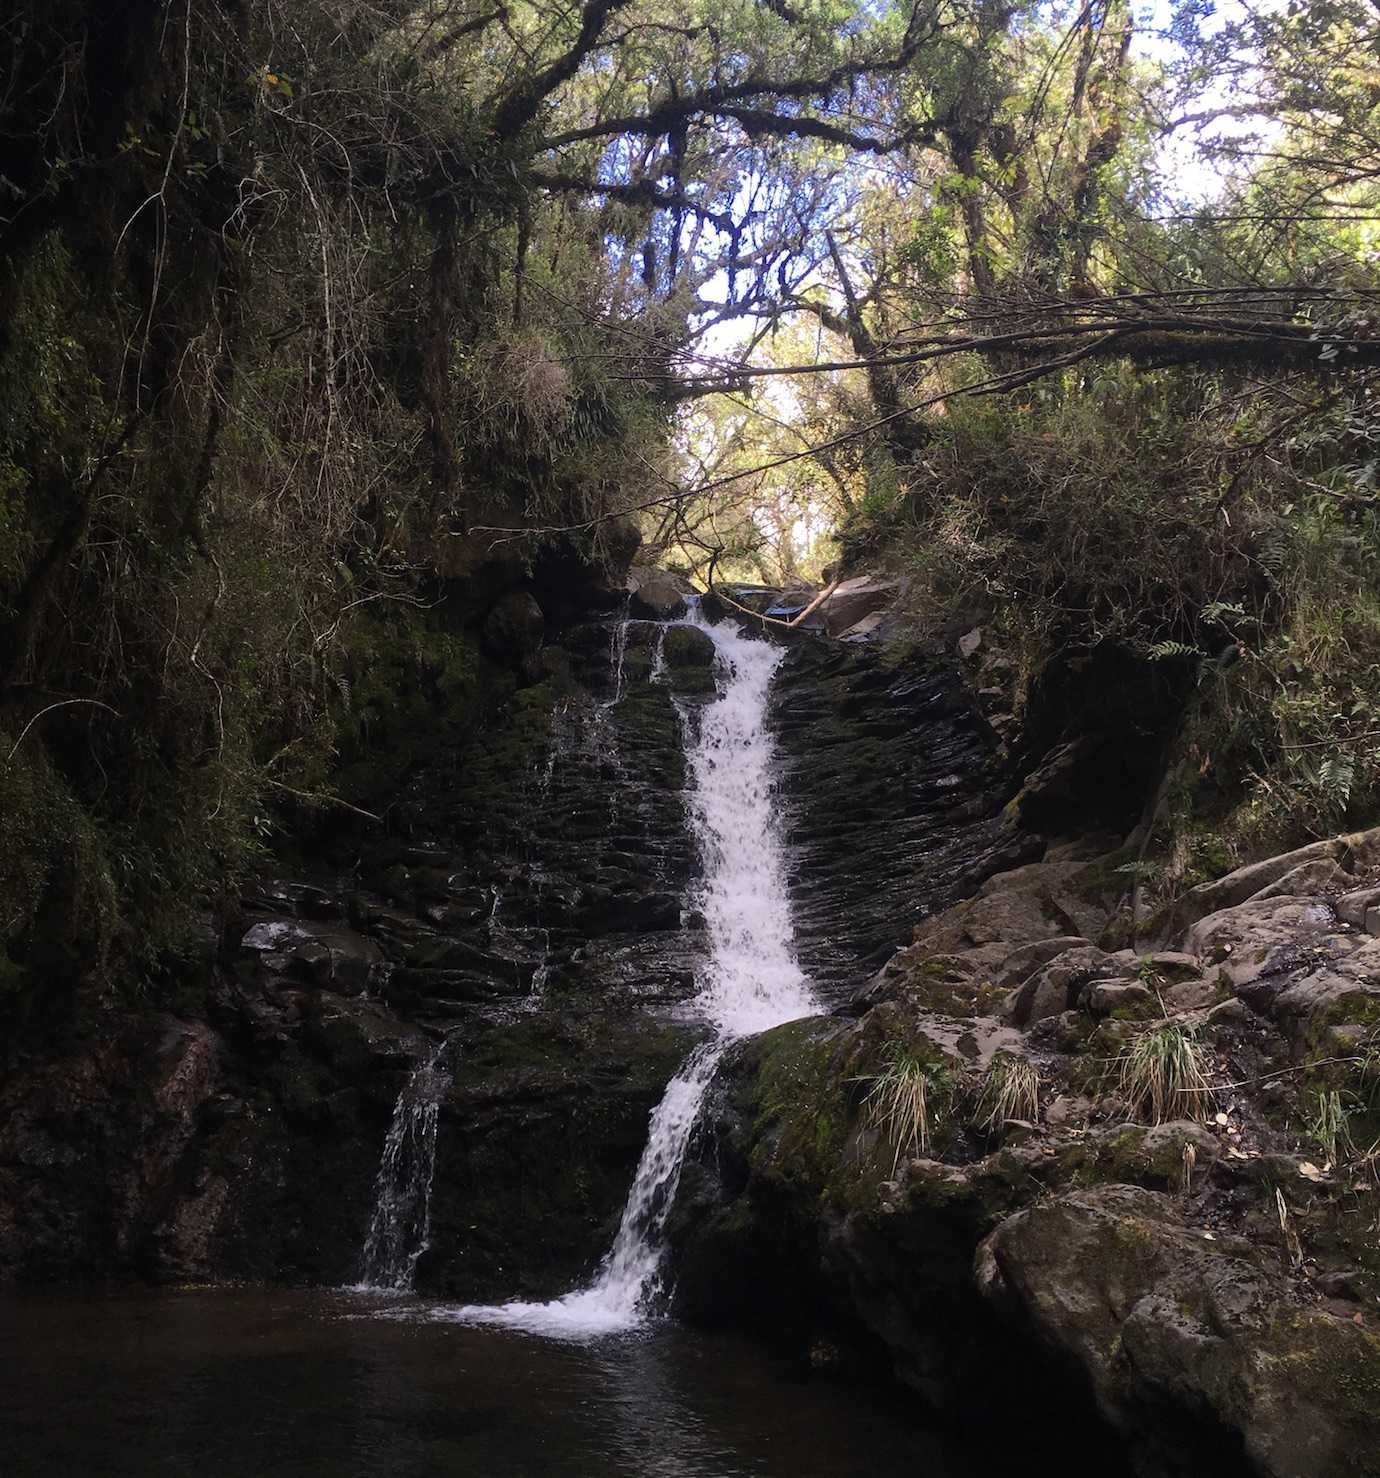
x: 906, y: 1101
x: 1164, y: 1074
x: 1329, y: 1125
x: 1010, y: 1090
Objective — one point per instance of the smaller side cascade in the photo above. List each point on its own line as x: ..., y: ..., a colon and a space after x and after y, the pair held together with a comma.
x: 401, y: 1223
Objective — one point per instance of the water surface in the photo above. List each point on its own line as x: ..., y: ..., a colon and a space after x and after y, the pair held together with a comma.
x: 267, y: 1384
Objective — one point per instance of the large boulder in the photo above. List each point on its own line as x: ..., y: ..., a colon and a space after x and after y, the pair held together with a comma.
x: 311, y: 951
x: 853, y: 599
x: 1189, y: 1343
x: 688, y: 646
x: 657, y: 595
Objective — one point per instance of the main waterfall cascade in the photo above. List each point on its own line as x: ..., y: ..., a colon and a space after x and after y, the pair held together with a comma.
x: 750, y: 982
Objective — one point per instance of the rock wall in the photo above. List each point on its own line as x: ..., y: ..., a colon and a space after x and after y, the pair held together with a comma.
x: 893, y: 787
x: 526, y: 897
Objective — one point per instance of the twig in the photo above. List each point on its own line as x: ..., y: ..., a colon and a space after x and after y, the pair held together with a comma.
x: 321, y: 798
x: 1283, y: 1072
x: 65, y: 703
x: 1325, y: 743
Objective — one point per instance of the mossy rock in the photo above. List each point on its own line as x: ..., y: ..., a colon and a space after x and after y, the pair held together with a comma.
x: 688, y: 646
x: 802, y: 1106
x: 1315, y: 1397
x: 1152, y: 1157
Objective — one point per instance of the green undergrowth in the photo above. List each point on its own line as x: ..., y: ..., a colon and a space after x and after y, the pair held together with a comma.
x: 1155, y: 515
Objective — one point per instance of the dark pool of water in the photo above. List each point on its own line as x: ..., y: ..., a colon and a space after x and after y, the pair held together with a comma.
x: 266, y: 1384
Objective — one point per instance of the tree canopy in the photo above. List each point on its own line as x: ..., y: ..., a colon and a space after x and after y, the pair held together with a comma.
x: 1069, y: 311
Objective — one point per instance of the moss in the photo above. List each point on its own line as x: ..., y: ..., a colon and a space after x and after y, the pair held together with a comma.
x: 942, y: 985
x: 802, y: 1107
x: 1123, y: 1158
x: 1344, y: 1029
x: 1329, y: 1364
x: 1138, y: 1011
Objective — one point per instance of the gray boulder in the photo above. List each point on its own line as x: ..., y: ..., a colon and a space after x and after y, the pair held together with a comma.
x: 854, y: 599
x: 657, y: 595
x: 1054, y: 987
x: 1189, y: 1343
x: 1361, y: 909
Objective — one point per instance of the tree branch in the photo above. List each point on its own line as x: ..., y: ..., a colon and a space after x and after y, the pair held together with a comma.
x: 642, y: 192
x: 522, y: 104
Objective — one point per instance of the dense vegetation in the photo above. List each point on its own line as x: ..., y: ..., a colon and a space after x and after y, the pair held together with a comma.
x: 322, y: 321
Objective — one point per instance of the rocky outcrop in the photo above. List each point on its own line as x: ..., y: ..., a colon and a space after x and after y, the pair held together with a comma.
x: 1187, y: 1339
x: 657, y: 595
x: 968, y: 1167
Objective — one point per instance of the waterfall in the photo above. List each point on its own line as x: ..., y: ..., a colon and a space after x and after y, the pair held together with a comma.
x: 618, y: 656
x: 401, y: 1222
x: 751, y: 981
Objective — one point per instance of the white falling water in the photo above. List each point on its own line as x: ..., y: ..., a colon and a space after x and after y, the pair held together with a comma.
x: 751, y: 982
x: 658, y: 669
x: 401, y: 1223
x: 618, y: 657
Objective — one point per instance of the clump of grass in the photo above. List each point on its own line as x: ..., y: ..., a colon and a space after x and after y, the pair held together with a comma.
x: 907, y: 1099
x: 1329, y: 1124
x: 1164, y: 1074
x: 1010, y: 1090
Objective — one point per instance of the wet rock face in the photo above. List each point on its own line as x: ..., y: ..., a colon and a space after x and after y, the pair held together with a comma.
x: 893, y: 793
x: 92, y: 1145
